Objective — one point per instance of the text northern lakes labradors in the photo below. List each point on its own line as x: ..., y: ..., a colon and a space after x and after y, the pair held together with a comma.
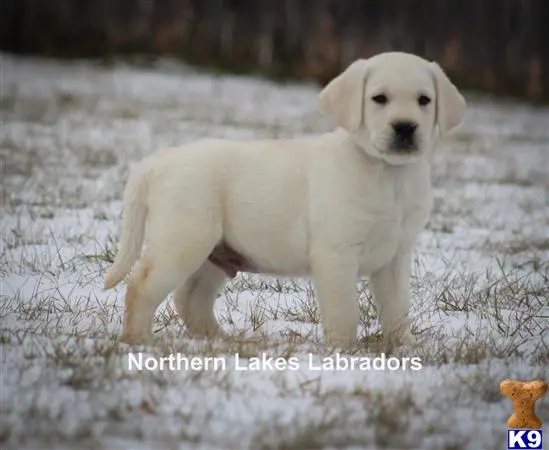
x: 264, y: 362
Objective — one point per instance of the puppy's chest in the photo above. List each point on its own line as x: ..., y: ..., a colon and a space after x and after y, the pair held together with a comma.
x: 386, y: 228
x: 381, y: 235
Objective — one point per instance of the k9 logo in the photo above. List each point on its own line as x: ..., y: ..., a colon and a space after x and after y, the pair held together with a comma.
x: 524, y: 439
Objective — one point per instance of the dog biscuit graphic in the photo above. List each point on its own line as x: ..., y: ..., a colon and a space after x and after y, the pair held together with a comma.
x: 524, y: 395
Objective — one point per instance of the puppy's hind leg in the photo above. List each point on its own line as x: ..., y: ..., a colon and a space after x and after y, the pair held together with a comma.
x: 194, y: 301
x: 169, y: 260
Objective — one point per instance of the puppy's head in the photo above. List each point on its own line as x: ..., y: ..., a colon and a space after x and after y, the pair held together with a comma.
x: 392, y: 104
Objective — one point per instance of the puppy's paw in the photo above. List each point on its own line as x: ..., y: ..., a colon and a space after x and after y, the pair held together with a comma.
x: 408, y: 338
x: 399, y: 338
x: 218, y: 333
x: 137, y: 338
x: 209, y: 332
x: 342, y: 342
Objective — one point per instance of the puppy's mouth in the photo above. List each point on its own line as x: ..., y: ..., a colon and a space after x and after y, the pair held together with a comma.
x: 392, y: 144
x: 403, y: 146
x: 400, y: 149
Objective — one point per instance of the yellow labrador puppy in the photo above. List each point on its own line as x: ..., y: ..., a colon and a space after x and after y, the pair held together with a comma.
x: 335, y: 207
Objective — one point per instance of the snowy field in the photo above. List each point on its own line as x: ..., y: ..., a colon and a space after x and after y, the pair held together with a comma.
x: 69, y: 134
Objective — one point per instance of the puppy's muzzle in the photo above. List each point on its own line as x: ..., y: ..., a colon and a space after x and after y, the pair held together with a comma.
x: 404, y: 136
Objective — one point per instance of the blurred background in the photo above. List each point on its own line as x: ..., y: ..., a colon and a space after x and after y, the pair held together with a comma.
x: 493, y: 46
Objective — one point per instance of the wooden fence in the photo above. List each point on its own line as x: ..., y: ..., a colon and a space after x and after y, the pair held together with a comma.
x: 499, y: 46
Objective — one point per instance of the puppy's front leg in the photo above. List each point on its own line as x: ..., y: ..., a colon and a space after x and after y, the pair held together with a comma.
x: 335, y: 275
x: 391, y: 289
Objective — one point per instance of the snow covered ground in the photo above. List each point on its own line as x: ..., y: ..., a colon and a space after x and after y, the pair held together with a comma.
x: 69, y: 133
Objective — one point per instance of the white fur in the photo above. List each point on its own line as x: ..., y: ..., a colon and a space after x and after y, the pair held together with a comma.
x: 335, y: 207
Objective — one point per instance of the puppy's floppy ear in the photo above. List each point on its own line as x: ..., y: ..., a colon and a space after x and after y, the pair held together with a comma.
x: 343, y: 98
x: 450, y: 103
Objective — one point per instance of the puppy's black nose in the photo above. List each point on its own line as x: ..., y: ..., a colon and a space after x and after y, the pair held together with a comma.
x: 404, y: 130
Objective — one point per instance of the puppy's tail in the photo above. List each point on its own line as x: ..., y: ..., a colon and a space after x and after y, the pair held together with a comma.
x: 133, y: 228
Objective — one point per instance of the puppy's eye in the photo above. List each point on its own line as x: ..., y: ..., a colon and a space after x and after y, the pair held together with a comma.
x: 380, y: 99
x: 423, y: 100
